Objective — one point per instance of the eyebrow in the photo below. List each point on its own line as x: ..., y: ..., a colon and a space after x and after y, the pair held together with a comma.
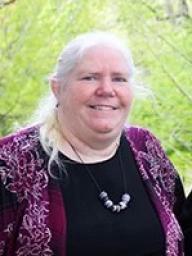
x: 120, y: 73
x: 98, y: 73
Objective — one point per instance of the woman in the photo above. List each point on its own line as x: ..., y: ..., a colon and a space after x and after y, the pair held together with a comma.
x: 81, y: 182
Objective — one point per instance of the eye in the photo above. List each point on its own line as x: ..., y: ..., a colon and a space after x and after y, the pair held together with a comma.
x: 89, y: 78
x: 119, y: 79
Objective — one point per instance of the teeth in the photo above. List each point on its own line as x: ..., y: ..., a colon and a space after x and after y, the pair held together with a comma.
x: 103, y: 107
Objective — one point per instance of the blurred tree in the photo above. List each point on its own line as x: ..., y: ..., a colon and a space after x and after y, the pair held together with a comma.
x: 4, y: 3
x: 162, y: 49
x: 31, y: 37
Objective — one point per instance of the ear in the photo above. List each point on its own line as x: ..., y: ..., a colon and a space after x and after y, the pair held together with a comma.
x: 55, y: 88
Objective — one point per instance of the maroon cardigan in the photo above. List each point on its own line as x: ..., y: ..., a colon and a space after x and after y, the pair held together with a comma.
x: 32, y: 213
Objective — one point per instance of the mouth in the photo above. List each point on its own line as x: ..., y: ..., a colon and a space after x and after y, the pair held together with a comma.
x: 103, y: 107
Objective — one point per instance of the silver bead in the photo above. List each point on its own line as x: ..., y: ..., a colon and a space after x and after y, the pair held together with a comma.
x: 123, y: 205
x: 118, y: 208
x: 114, y: 208
x: 126, y: 198
x: 108, y: 203
x: 103, y: 194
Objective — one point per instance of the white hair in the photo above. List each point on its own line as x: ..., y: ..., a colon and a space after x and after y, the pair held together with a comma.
x: 46, y: 114
x: 76, y: 49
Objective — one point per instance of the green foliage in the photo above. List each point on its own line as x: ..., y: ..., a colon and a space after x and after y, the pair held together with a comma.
x: 163, y: 49
x: 32, y: 34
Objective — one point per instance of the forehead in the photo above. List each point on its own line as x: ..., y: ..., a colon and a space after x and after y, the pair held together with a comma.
x: 101, y: 58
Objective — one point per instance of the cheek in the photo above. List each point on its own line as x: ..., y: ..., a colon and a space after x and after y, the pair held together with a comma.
x: 66, y: 95
x: 126, y: 98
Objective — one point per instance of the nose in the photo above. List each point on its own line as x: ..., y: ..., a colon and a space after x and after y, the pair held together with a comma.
x: 105, y: 88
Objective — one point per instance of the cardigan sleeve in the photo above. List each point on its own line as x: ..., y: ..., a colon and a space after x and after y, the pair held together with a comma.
x: 24, y: 205
x: 163, y: 178
x: 11, y: 186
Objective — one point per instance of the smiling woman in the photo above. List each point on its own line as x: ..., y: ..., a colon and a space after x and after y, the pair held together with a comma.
x: 77, y: 183
x: 100, y: 94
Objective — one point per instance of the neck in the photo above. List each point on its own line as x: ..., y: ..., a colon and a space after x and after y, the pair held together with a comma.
x: 89, y: 151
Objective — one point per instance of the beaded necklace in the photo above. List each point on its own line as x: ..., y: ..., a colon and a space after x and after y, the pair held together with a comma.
x: 103, y: 196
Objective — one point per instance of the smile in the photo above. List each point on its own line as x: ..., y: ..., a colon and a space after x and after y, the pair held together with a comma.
x: 103, y: 107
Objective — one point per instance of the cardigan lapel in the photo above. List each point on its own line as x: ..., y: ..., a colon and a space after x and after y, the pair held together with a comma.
x: 159, y: 177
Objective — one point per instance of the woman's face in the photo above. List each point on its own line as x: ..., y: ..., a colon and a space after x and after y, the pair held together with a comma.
x: 97, y: 98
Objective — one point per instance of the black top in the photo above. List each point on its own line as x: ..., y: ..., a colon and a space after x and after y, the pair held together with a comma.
x: 94, y: 230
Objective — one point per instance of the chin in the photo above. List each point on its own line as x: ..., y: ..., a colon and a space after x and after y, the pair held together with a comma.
x: 106, y: 129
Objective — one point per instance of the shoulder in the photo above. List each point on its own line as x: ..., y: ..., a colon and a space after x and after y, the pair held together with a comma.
x: 138, y: 132
x: 20, y: 161
x: 140, y: 137
x: 26, y: 136
x: 17, y: 145
x: 149, y: 151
